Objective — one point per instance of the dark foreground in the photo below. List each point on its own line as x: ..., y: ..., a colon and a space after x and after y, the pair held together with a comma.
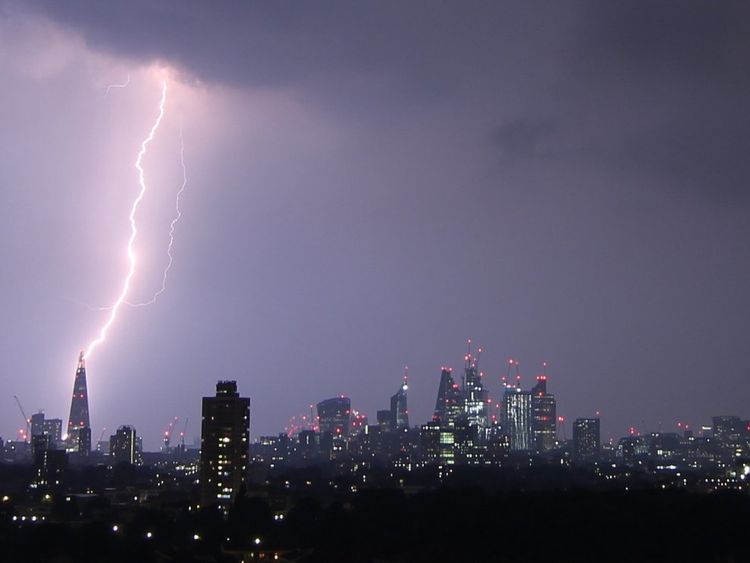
x: 389, y: 525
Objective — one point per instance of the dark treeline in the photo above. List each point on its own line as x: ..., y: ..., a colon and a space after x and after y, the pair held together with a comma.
x: 450, y: 524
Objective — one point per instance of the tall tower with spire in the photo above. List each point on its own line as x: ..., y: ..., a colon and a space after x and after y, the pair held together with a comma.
x: 399, y: 408
x: 79, y: 426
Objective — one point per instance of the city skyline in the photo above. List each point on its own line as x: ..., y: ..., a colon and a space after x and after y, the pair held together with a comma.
x: 368, y: 187
x: 459, y: 397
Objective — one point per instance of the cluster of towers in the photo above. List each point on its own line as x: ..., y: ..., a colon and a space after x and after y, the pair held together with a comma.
x: 528, y: 417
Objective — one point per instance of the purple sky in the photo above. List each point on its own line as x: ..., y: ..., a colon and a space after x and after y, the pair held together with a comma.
x: 369, y: 185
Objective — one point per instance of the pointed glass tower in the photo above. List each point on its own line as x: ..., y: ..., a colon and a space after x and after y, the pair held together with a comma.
x: 79, y: 427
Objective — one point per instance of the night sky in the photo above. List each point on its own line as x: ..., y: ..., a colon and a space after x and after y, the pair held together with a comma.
x: 369, y: 185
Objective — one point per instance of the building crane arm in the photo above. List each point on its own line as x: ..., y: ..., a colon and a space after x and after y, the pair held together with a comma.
x: 25, y: 418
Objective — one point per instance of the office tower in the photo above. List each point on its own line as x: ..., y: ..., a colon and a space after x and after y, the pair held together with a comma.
x: 517, y: 418
x: 586, y: 440
x: 122, y: 445
x: 225, y: 435
x: 79, y: 409
x: 544, y: 416
x: 384, y: 420
x: 448, y: 403
x: 429, y: 441
x: 38, y: 438
x: 726, y: 429
x: 399, y: 412
x: 334, y: 416
x: 308, y: 445
x: 474, y: 395
x: 437, y: 443
x: 53, y: 428
x: 37, y: 424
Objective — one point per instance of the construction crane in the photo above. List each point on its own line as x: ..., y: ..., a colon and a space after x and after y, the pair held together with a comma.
x: 182, y: 434
x: 25, y: 419
x: 168, y: 433
x: 509, y: 373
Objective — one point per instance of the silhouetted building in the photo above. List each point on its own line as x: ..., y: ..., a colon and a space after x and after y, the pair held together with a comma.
x: 544, y: 416
x: 37, y: 424
x: 334, y: 416
x: 79, y: 410
x: 384, y: 420
x: 308, y: 446
x: 272, y: 451
x: 586, y: 441
x: 53, y: 428
x: 429, y: 442
x: 399, y: 411
x: 123, y: 445
x: 727, y: 429
x: 517, y: 418
x: 448, y: 404
x: 49, y: 467
x: 225, y: 433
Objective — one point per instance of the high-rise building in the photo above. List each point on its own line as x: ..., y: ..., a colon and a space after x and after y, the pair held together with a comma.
x: 53, y: 428
x: 123, y: 445
x: 517, y: 418
x: 37, y: 424
x: 399, y: 411
x: 384, y: 420
x: 586, y: 440
x: 474, y: 395
x: 49, y: 467
x: 544, y: 416
x: 429, y: 438
x: 225, y: 435
x: 334, y: 416
x: 726, y: 429
x: 448, y: 403
x: 79, y: 410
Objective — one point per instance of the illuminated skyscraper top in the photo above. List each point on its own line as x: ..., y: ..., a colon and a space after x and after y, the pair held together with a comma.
x: 476, y: 412
x: 399, y: 408
x: 79, y: 405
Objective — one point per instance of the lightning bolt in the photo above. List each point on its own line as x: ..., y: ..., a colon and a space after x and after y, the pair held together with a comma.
x: 178, y: 215
x: 123, y: 85
x: 133, y: 228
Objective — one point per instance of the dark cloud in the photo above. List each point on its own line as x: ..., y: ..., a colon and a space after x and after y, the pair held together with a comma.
x: 712, y: 158
x: 384, y: 220
x: 694, y: 38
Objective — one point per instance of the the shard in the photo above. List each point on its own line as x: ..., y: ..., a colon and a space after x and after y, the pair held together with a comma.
x: 79, y: 426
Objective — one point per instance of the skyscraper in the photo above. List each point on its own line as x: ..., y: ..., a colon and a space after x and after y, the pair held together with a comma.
x: 122, y: 445
x: 225, y: 435
x: 517, y: 419
x: 53, y: 428
x: 334, y: 416
x: 448, y: 403
x: 399, y: 411
x: 79, y: 411
x: 475, y: 409
x: 544, y: 416
x: 586, y: 440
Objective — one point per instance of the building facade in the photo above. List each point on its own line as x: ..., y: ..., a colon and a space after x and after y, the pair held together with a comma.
x: 225, y: 435
x: 586, y: 440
